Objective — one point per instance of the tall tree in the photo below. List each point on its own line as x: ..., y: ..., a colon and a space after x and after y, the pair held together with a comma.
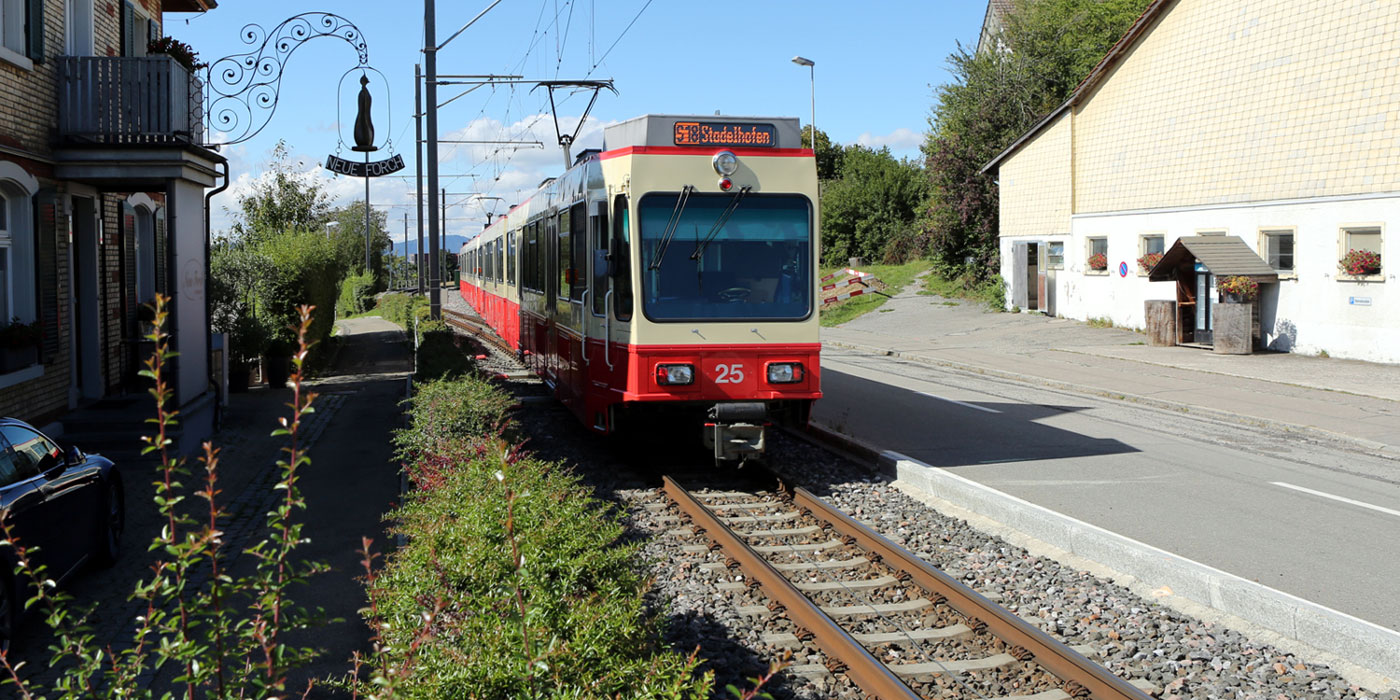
x: 995, y: 96
x: 282, y: 200
x: 828, y: 153
x: 349, y: 235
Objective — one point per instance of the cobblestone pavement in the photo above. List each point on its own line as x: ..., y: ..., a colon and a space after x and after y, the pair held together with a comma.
x: 348, y: 487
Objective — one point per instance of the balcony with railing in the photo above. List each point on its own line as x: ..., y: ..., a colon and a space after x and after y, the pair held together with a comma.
x: 146, y: 100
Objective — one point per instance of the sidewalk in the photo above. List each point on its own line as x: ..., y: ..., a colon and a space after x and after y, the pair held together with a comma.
x: 1355, y: 401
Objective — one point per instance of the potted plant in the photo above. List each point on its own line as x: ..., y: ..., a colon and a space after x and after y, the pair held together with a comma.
x: 1149, y: 261
x: 178, y: 50
x: 1098, y: 261
x: 1360, y: 262
x: 19, y: 345
x: 1237, y: 289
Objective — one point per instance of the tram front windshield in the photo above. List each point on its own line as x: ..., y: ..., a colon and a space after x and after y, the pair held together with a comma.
x: 726, y: 256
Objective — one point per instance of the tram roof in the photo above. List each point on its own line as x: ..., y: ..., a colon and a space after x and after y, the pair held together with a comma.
x: 738, y: 132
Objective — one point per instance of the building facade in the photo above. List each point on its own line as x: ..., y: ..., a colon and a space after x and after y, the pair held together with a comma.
x: 1277, y: 123
x: 102, y: 182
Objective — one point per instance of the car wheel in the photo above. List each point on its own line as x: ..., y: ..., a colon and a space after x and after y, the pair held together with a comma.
x: 113, y: 517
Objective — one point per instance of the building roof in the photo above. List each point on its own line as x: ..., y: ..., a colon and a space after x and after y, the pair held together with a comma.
x: 1222, y: 255
x: 1096, y: 76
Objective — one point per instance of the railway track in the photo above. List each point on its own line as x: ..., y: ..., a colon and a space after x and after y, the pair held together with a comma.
x: 478, y: 328
x: 894, y: 626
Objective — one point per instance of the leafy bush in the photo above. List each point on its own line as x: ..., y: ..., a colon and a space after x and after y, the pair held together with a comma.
x: 356, y: 295
x: 439, y: 356
x: 402, y: 308
x: 301, y: 270
x: 512, y: 582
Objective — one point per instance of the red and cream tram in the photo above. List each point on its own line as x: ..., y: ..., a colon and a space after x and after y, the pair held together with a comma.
x: 675, y: 269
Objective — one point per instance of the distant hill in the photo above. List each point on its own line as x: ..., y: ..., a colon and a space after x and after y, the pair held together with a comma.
x: 454, y: 243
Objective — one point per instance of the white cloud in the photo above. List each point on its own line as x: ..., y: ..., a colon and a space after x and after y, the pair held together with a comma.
x: 900, y: 139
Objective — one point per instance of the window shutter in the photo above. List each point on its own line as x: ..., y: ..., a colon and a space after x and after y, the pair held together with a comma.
x: 47, y: 217
x: 34, y: 28
x: 128, y: 268
x: 128, y: 29
x: 152, y: 30
x: 159, y: 220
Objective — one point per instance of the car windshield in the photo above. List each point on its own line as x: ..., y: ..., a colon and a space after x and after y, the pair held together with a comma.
x: 757, y: 265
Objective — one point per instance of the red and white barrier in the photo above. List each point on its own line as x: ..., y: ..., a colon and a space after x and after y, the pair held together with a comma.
x: 847, y: 295
x: 865, y: 280
x: 847, y: 271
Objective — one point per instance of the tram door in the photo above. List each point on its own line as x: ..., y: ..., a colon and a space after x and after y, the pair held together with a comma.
x: 551, y: 296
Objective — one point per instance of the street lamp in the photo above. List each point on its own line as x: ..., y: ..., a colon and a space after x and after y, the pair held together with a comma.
x: 812, y: 66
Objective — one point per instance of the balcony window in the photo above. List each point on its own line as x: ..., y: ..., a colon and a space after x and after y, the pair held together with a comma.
x: 12, y: 33
x: 16, y: 255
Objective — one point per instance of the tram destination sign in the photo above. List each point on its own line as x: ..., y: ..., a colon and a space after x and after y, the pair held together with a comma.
x: 726, y: 134
x: 362, y: 169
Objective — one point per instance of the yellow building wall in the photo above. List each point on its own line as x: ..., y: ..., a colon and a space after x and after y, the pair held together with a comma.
x: 1237, y: 102
x: 1035, y: 184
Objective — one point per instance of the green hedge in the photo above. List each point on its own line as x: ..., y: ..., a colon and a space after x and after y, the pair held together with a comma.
x: 356, y: 295
x: 402, y: 308
x: 303, y: 270
x: 584, y: 631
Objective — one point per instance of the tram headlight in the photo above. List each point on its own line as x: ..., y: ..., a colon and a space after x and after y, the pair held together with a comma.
x: 726, y: 163
x: 675, y: 375
x: 784, y: 372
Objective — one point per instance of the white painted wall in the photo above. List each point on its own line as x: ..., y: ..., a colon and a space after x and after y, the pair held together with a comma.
x: 1317, y: 310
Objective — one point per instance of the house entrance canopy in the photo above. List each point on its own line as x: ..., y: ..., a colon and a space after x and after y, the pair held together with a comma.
x: 1224, y: 256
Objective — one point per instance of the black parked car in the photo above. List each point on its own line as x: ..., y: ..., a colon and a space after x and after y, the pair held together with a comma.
x: 66, y: 504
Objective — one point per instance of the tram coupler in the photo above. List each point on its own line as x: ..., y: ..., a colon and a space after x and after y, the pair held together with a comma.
x: 737, y: 431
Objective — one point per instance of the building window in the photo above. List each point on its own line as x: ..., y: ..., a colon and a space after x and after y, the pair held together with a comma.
x: 1151, y: 246
x: 16, y: 256
x: 12, y: 26
x: 1278, y: 249
x: 1055, y: 255
x: 1096, y: 255
x: 78, y: 24
x: 1361, y: 252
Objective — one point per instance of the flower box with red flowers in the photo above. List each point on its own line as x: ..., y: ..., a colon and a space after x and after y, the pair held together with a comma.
x: 1359, y: 263
x: 1098, y: 261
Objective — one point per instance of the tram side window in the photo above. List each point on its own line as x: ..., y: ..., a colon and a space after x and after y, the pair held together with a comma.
x: 511, y: 244
x: 600, y: 268
x: 566, y: 263
x: 527, y: 258
x: 549, y: 256
x: 622, y: 260
x: 578, y: 274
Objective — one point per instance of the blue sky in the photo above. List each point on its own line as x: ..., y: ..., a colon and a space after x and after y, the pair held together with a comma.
x: 876, y: 65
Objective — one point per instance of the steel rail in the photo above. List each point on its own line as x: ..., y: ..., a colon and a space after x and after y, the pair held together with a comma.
x: 480, y: 329
x: 873, y: 677
x: 1081, y: 676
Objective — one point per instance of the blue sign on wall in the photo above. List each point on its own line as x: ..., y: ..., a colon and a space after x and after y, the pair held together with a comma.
x: 1122, y: 269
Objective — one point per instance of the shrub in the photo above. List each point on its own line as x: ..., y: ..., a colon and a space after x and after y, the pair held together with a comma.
x: 439, y: 356
x: 401, y: 308
x: 301, y: 269
x: 356, y: 295
x: 512, y: 581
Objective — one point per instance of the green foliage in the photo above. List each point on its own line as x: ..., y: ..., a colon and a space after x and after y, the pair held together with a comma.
x: 874, y: 203
x: 206, y: 631
x: 828, y: 154
x: 356, y: 295
x: 513, y: 581
x: 236, y: 272
x: 989, y: 291
x: 994, y: 98
x: 349, y: 236
x: 284, y: 200
x: 402, y: 309
x: 439, y: 355
x: 301, y: 270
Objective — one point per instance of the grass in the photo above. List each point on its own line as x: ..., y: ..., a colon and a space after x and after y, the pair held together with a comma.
x: 895, y: 277
x: 1101, y: 322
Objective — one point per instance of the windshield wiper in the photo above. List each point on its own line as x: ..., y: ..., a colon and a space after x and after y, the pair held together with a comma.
x: 719, y: 223
x: 665, y: 242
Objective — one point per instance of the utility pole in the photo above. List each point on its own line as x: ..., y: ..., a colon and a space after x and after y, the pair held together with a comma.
x: 443, y: 247
x: 430, y: 49
x: 418, y: 161
x: 404, y: 282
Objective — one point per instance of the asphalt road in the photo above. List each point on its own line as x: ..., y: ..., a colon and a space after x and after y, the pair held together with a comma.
x: 1310, y: 519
